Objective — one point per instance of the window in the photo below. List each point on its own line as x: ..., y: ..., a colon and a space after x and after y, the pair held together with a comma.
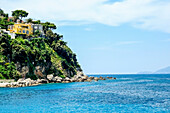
x: 27, y: 32
x: 23, y: 31
x: 25, y: 27
x: 35, y: 27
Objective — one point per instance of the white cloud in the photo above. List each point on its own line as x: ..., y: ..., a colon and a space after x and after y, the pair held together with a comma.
x: 146, y: 14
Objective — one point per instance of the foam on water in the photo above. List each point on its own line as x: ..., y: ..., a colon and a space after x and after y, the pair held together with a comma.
x: 128, y: 93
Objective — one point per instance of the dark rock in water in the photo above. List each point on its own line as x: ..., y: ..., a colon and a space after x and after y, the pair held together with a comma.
x: 88, y: 80
x: 91, y: 78
x: 50, y: 78
x: 102, y: 78
x: 96, y: 78
x: 109, y: 77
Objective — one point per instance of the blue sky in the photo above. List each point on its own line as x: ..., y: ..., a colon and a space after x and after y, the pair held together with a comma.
x: 116, y: 36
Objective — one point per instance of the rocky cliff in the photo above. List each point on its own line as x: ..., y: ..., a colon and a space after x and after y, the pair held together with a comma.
x: 36, y: 58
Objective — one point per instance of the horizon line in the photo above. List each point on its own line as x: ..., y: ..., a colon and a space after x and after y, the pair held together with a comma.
x: 124, y: 73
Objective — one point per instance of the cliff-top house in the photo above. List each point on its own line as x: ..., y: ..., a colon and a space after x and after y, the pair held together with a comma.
x: 24, y: 28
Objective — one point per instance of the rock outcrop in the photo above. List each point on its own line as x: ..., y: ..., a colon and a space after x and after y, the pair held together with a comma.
x: 80, y: 77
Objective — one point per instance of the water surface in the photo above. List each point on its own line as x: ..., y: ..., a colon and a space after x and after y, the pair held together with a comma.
x: 128, y: 93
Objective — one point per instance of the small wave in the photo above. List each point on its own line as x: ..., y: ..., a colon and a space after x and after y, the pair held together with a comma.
x: 144, y: 81
x: 125, y: 78
x: 156, y: 84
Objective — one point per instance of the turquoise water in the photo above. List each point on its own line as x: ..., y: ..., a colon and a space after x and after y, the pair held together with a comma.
x: 129, y: 93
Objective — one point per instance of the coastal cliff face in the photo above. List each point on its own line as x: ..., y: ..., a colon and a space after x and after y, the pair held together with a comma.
x: 33, y: 55
x: 36, y: 58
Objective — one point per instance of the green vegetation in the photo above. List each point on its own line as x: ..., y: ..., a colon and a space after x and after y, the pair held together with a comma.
x: 19, y: 13
x: 36, y: 57
x: 4, y: 23
x: 4, y: 20
x: 3, y: 14
x: 47, y: 26
x: 30, y: 20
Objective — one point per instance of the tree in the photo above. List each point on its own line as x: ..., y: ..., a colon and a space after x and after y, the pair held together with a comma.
x: 48, y: 25
x: 19, y: 13
x: 49, y: 33
x: 3, y: 14
x: 37, y: 33
x: 4, y: 23
x: 36, y: 22
x: 52, y: 26
x: 5, y: 47
x: 29, y: 20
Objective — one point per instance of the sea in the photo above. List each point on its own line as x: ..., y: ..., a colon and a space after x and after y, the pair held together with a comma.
x: 129, y: 93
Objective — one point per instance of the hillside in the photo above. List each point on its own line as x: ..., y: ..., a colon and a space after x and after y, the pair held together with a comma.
x: 165, y: 70
x: 36, y: 55
x: 35, y: 58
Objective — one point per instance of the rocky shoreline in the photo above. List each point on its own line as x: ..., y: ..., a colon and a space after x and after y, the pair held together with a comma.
x: 51, y: 79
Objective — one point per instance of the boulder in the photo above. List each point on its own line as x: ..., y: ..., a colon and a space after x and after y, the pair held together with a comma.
x: 42, y: 81
x: 58, y: 81
x: 28, y: 79
x: 53, y: 80
x: 110, y: 77
x: 50, y: 77
x: 80, y: 80
x: 73, y: 80
x: 80, y: 73
x: 38, y: 80
x: 58, y: 78
x: 21, y: 79
x: 63, y: 82
x: 84, y: 77
x: 8, y: 85
x: 88, y: 80
x: 91, y: 78
x: 27, y: 84
x: 96, y: 78
x: 101, y: 78
x: 67, y: 79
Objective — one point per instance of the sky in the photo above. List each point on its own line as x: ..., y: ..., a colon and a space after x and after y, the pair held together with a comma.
x: 108, y: 36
